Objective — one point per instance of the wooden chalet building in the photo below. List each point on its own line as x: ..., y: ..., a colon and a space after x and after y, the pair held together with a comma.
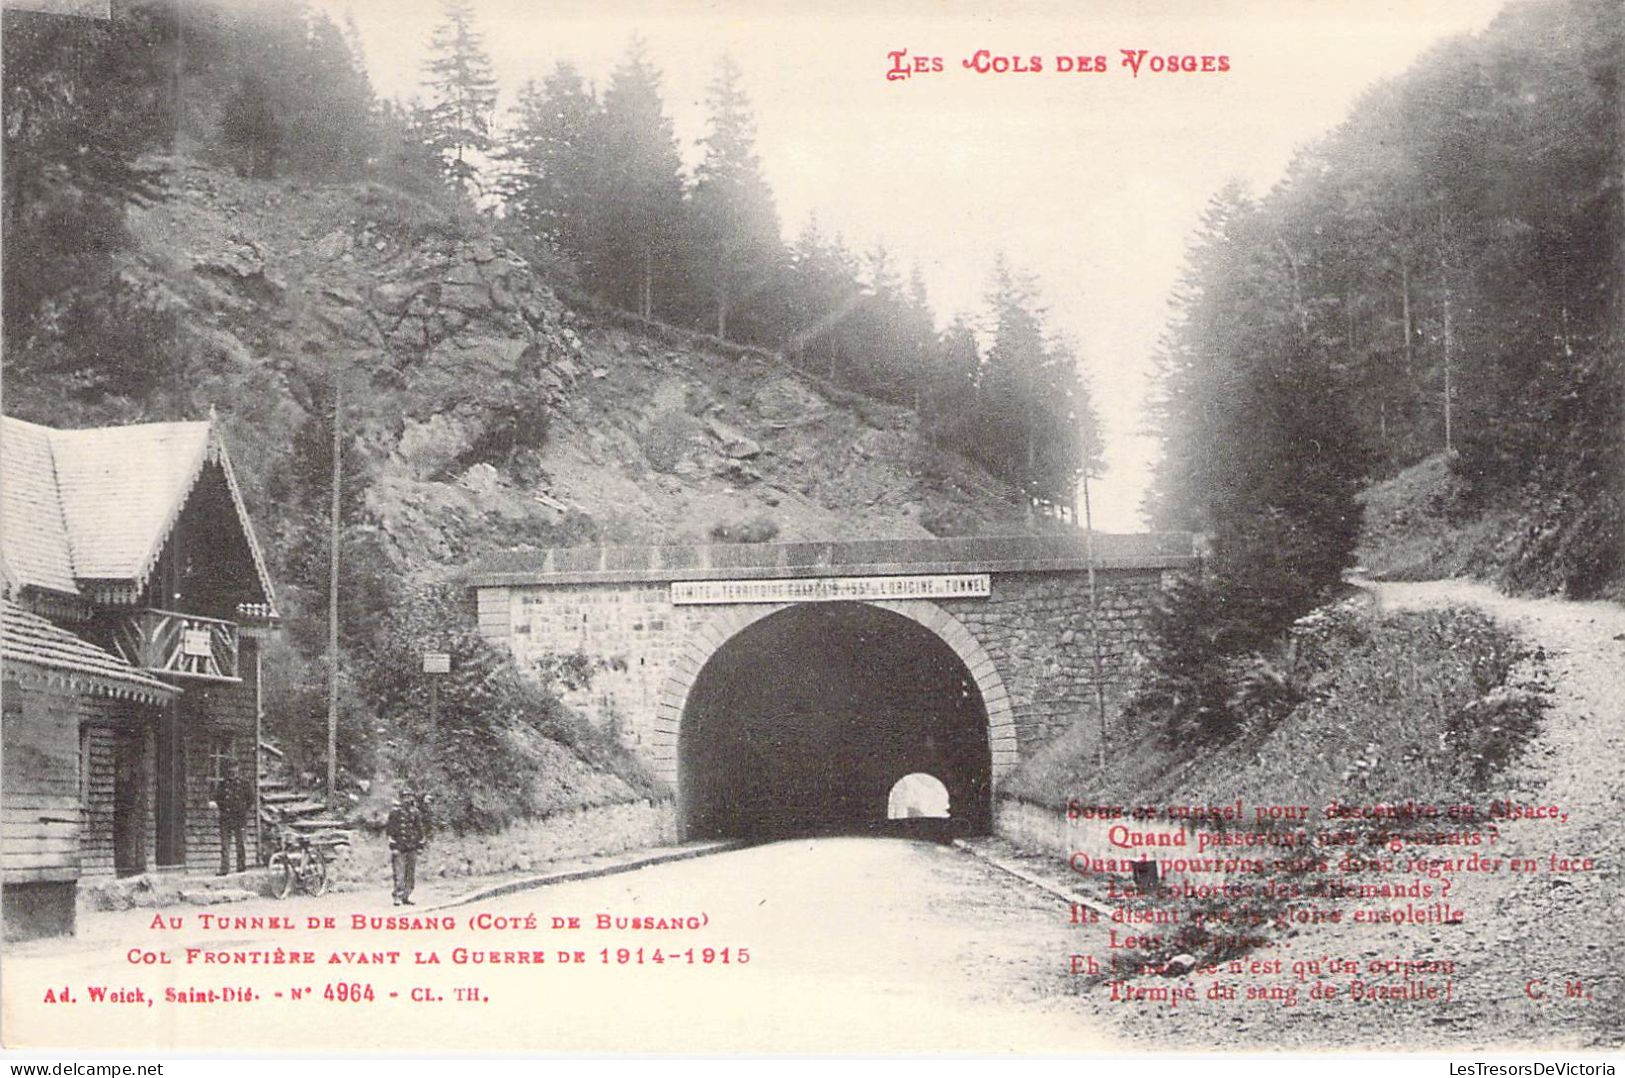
x: 134, y: 596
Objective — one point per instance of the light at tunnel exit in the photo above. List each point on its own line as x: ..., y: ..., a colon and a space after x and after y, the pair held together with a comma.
x: 918, y: 795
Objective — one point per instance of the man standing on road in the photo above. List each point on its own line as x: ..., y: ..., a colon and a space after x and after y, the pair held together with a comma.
x: 408, y: 830
x: 233, y: 800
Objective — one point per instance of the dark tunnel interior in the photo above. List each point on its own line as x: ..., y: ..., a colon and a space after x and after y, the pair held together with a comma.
x: 805, y: 721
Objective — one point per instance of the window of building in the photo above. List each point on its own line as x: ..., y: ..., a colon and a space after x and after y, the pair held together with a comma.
x: 222, y: 750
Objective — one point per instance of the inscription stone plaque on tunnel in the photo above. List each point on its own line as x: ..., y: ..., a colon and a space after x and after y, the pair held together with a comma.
x: 831, y: 589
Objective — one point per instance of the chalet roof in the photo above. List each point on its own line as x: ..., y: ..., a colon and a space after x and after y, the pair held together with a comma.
x: 31, y: 645
x: 33, y: 533
x: 97, y: 504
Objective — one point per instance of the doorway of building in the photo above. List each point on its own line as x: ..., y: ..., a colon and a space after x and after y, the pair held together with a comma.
x: 129, y: 803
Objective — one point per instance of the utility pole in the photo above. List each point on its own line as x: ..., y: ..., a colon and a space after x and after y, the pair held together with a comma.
x: 1444, y: 266
x: 259, y: 753
x: 333, y: 603
x: 1094, y: 622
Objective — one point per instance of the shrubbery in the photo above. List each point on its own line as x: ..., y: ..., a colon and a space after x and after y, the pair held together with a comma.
x: 1354, y: 708
x: 477, y: 754
x: 1352, y: 705
x: 1564, y: 535
x: 757, y: 529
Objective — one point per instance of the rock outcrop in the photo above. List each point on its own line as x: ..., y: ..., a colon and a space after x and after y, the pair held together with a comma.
x: 492, y: 413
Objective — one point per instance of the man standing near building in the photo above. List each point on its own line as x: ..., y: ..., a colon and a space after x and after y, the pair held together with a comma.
x: 408, y: 830
x: 234, y: 800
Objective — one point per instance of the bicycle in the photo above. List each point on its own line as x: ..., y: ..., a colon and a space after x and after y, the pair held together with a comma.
x: 301, y: 861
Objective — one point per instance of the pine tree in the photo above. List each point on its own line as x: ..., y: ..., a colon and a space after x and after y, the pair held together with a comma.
x: 462, y: 95
x: 640, y: 190
x: 1070, y: 443
x: 918, y: 340
x: 824, y: 293
x: 330, y: 129
x: 1011, y: 381
x: 250, y: 128
x: 736, y: 242
x: 551, y: 157
x: 1035, y: 418
x: 84, y: 99
x: 1260, y: 449
x: 1191, y: 383
x: 297, y: 98
x: 950, y: 401
x: 402, y: 157
x: 264, y: 48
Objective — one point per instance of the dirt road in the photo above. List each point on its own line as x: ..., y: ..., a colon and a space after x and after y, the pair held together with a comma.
x: 859, y: 945
x: 1564, y: 927
x: 845, y: 945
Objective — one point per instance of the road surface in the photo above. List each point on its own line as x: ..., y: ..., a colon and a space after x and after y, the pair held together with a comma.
x: 861, y: 945
x: 834, y: 944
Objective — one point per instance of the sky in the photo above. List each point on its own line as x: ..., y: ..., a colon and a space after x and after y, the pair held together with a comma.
x: 1093, y: 182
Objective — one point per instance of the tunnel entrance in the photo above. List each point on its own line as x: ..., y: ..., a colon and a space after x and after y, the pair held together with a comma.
x: 805, y: 721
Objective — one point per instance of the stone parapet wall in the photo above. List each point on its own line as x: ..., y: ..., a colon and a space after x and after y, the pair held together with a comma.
x: 1067, y: 552
x: 1033, y: 827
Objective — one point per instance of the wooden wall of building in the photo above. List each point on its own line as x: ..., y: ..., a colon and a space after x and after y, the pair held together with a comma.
x: 97, y: 744
x: 212, y: 712
x: 58, y: 810
x: 39, y: 806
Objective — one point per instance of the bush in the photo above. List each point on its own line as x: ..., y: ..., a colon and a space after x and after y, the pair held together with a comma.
x: 480, y: 753
x: 1186, y: 694
x: 1352, y: 704
x: 946, y: 521
x: 759, y: 529
x: 412, y: 218
x: 1488, y: 733
x: 665, y: 439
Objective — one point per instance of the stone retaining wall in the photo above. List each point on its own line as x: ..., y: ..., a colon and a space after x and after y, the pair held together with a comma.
x: 1084, y: 843
x: 1036, y: 626
x: 523, y: 846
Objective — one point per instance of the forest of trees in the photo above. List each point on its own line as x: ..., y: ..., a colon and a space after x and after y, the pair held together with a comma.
x: 1440, y: 275
x: 589, y: 183
x: 599, y: 179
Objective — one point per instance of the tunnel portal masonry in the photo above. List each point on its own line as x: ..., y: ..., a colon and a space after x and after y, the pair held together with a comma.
x: 990, y: 631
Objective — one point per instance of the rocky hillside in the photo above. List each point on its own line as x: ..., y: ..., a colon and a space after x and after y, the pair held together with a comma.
x: 487, y: 411
x: 1421, y: 525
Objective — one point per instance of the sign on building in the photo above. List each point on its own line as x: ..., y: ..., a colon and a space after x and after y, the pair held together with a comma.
x: 196, y: 643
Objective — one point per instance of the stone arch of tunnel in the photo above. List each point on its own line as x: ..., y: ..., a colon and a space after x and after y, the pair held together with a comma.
x: 800, y: 718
